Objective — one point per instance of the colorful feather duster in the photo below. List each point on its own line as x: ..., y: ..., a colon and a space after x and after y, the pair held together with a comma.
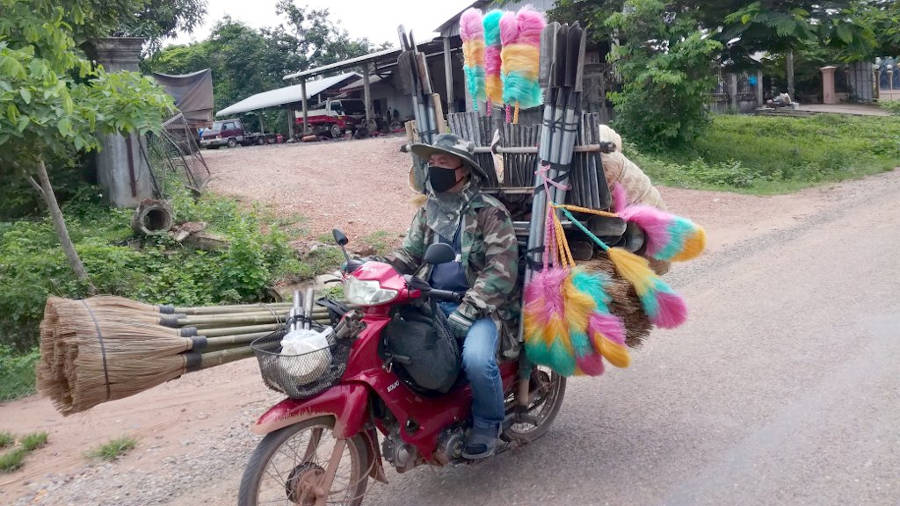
x: 492, y: 85
x: 546, y: 332
x: 661, y: 304
x: 471, y: 31
x: 606, y: 331
x: 669, y: 237
x: 520, y: 34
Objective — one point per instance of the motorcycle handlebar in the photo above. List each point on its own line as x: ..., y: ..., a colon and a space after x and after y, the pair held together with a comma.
x: 447, y: 295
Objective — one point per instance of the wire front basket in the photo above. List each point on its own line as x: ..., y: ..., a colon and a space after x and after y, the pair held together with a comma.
x: 300, y: 376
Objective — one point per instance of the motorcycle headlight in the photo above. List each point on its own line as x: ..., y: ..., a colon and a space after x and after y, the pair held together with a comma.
x: 367, y: 293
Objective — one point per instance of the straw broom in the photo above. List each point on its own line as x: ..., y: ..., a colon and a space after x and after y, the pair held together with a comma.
x: 99, y: 357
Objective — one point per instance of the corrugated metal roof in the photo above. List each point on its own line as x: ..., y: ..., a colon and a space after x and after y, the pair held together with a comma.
x: 286, y: 95
x: 346, y: 63
x: 359, y: 84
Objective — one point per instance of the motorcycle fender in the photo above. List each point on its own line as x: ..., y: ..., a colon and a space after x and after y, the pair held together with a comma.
x: 377, y: 470
x: 347, y: 403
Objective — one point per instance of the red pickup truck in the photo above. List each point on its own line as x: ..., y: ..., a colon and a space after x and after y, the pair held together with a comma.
x: 230, y: 132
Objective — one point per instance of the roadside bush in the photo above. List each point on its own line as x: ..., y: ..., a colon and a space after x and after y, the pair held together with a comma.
x: 155, y: 270
x: 892, y: 106
x: 16, y: 376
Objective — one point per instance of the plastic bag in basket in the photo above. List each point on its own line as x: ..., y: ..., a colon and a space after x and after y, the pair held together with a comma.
x: 313, y: 346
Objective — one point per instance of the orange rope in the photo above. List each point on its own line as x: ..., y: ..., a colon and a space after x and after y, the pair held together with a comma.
x: 579, y: 209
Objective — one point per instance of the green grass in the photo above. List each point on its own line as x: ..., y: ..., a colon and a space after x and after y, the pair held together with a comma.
x: 766, y: 155
x: 34, y: 441
x: 12, y: 460
x: 16, y: 375
x: 891, y: 106
x: 380, y: 241
x: 113, y: 449
x: 320, y: 261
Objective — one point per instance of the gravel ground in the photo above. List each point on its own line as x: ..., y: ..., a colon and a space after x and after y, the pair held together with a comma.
x: 779, y: 411
x: 359, y: 186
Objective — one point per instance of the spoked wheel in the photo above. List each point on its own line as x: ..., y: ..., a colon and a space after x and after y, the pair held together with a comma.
x: 546, y: 392
x: 294, y: 465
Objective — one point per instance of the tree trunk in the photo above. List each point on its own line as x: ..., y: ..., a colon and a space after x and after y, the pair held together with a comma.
x: 59, y: 224
x: 789, y: 70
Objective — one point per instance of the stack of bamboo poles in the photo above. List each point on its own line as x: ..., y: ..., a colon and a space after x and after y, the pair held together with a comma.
x: 104, y: 348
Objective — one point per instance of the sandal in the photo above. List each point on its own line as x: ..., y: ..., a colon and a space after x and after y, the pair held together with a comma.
x: 481, y: 442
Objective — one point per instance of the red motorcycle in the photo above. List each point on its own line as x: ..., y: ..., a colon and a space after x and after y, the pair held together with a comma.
x: 321, y: 444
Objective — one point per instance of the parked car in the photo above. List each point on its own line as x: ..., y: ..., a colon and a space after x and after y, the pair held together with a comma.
x: 230, y: 132
x: 334, y: 116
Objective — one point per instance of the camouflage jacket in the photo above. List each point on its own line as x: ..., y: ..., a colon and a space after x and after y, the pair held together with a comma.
x: 490, y: 255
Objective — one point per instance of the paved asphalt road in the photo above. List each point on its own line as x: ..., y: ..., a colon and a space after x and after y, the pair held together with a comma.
x: 782, y: 388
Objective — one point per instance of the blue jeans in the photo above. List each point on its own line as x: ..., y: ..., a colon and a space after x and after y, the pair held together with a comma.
x: 479, y: 360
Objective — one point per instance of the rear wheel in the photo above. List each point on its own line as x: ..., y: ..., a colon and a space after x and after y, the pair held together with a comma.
x: 546, y: 392
x: 232, y: 143
x: 293, y: 464
x: 336, y: 131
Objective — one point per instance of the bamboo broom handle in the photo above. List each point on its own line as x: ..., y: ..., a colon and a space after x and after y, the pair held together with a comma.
x: 227, y: 331
x: 235, y: 339
x: 217, y: 329
x: 198, y: 361
x: 221, y: 320
x: 239, y: 308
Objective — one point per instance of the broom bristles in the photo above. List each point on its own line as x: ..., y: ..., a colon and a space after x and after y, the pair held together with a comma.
x: 664, y: 308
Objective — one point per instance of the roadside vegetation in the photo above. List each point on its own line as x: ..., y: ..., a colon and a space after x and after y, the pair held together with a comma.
x: 891, y: 106
x: 765, y: 155
x: 113, y: 449
x: 14, y: 458
x: 156, y: 270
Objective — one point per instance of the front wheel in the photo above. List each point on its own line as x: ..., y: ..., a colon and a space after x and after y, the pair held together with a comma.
x: 336, y: 131
x: 232, y: 143
x: 293, y: 466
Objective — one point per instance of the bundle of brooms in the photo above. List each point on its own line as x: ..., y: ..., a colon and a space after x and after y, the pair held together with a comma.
x: 105, y: 348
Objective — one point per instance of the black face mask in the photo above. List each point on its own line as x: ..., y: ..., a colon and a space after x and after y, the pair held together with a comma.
x: 442, y: 179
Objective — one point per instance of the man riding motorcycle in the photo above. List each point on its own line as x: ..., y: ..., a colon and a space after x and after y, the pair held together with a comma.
x: 480, y: 230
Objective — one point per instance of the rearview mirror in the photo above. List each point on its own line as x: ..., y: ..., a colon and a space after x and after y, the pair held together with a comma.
x: 339, y: 237
x: 439, y: 253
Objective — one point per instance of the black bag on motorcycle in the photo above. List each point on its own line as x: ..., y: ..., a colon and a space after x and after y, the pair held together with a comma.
x: 422, y: 349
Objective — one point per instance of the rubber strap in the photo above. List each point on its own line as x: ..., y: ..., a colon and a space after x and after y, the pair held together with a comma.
x: 192, y: 361
x: 102, y: 345
x: 169, y: 321
x: 187, y: 331
x: 166, y: 309
x: 198, y: 343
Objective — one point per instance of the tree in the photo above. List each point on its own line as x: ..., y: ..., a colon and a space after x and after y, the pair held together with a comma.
x: 321, y: 40
x: 245, y: 61
x: 53, y: 103
x: 666, y: 64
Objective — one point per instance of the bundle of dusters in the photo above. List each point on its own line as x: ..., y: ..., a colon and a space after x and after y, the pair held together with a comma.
x: 575, y: 317
x: 501, y: 53
x: 105, y: 347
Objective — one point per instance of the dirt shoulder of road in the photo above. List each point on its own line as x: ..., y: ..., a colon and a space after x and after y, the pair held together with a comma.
x: 192, y: 433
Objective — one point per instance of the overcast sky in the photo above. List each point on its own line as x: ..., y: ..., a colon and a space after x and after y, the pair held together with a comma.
x: 376, y: 20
